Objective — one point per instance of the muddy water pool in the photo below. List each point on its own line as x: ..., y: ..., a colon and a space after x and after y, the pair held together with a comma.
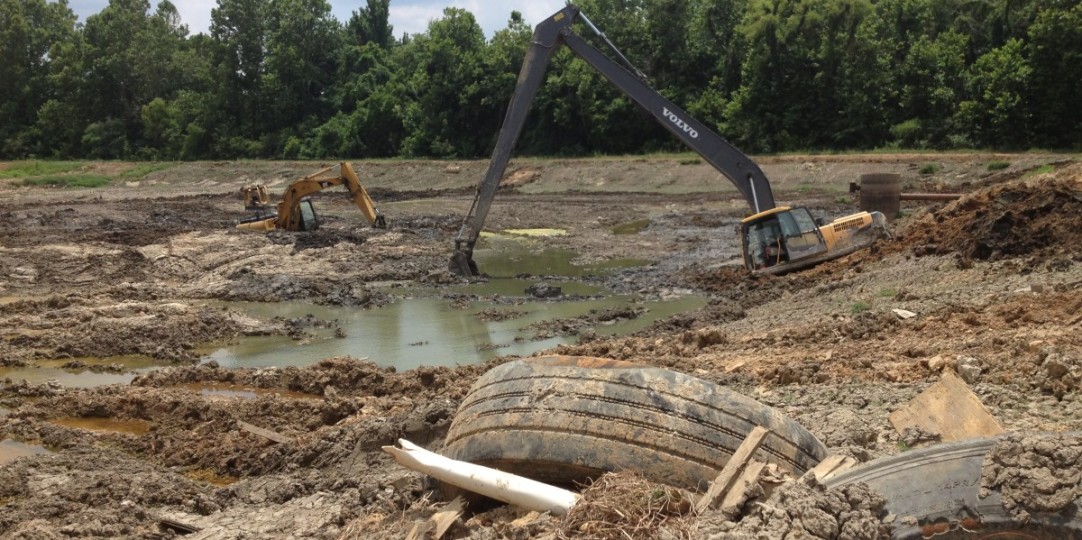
x: 427, y: 331
x: 11, y: 449
x: 122, y: 370
x: 433, y: 327
x: 423, y: 326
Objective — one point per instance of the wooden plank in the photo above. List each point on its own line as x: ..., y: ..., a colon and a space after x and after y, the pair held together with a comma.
x: 732, y: 469
x: 438, y: 524
x: 419, y: 531
x: 179, y: 526
x: 831, y: 466
x: 266, y: 433
x: 527, y: 519
x: 447, y: 517
x: 948, y: 408
x: 736, y: 496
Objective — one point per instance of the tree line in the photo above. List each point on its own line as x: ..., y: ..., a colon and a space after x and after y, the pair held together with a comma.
x: 285, y: 79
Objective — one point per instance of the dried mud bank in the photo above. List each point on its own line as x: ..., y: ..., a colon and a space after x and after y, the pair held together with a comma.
x: 994, y: 281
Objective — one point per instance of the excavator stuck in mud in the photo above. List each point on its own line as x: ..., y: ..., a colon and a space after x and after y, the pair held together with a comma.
x: 774, y: 240
x: 295, y: 212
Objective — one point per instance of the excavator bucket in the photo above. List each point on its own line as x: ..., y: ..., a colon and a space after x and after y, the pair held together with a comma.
x: 462, y: 264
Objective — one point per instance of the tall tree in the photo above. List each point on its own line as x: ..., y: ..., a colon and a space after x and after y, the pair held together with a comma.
x: 239, y: 31
x: 1055, y: 88
x: 447, y: 117
x: 29, y: 29
x: 930, y: 82
x: 371, y: 24
x: 717, y: 51
x: 115, y: 91
x: 369, y: 100
x: 804, y: 59
x: 302, y: 49
x: 995, y: 113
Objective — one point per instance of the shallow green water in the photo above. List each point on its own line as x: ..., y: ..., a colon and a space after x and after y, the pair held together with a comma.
x: 424, y: 331
x: 505, y: 257
x: 424, y: 326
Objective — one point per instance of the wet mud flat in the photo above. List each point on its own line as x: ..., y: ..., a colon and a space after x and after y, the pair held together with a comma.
x: 994, y: 280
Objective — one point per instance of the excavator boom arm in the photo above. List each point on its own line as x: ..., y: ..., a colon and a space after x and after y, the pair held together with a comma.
x: 550, y: 34
x: 361, y: 198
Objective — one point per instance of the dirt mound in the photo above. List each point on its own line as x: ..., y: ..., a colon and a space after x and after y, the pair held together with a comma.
x: 50, y: 489
x: 320, y: 238
x: 110, y: 329
x: 1035, y: 473
x: 343, y: 376
x: 1040, y: 215
x: 246, y: 285
x: 805, y: 509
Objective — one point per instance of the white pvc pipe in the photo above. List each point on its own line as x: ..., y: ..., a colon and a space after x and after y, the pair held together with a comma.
x: 499, y: 485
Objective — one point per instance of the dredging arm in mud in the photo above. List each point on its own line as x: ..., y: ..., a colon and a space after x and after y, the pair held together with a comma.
x: 295, y: 210
x: 773, y: 239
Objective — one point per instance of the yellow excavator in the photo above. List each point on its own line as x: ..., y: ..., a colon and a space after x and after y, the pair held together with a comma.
x: 295, y: 210
x: 775, y: 239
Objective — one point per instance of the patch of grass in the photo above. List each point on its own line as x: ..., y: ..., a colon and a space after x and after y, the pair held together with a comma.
x: 631, y: 227
x: 929, y: 168
x: 38, y: 168
x: 690, y: 161
x: 902, y: 446
x: 144, y: 169
x: 1043, y: 169
x: 68, y: 180
x: 887, y: 293
x: 843, y: 200
x: 998, y: 165
x: 859, y: 307
x: 805, y: 188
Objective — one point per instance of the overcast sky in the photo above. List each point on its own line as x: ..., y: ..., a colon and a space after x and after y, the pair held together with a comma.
x: 407, y: 16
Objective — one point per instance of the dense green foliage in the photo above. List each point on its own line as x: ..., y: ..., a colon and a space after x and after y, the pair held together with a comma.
x: 285, y: 79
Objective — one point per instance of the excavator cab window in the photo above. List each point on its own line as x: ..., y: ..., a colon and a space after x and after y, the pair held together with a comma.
x: 309, y: 221
x: 802, y: 236
x: 764, y: 244
x: 781, y: 237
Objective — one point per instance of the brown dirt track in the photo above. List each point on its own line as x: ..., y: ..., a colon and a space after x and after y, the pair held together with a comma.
x: 995, y: 279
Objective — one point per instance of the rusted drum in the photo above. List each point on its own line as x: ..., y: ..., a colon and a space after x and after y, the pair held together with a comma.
x: 881, y: 192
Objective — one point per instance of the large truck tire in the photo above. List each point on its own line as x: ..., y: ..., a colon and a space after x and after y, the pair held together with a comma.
x: 564, y: 420
x: 935, y: 491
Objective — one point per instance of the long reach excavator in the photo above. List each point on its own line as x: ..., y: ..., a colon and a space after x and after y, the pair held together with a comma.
x: 295, y: 210
x: 774, y: 239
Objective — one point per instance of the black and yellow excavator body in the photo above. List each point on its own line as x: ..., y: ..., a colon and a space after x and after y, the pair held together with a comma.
x: 295, y: 211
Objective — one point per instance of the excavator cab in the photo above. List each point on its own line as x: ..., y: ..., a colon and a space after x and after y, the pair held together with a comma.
x: 785, y: 239
x: 778, y: 236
